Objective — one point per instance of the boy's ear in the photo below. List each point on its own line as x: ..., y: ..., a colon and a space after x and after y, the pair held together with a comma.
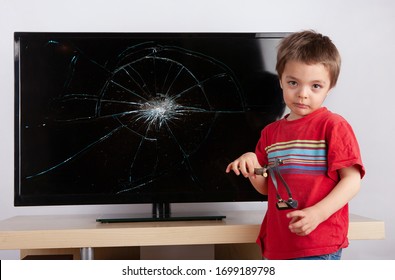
x: 281, y: 84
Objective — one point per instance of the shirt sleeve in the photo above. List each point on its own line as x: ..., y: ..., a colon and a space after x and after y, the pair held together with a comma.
x: 343, y: 149
x: 260, y: 150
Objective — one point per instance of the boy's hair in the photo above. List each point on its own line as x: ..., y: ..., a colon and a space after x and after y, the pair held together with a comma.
x: 309, y: 47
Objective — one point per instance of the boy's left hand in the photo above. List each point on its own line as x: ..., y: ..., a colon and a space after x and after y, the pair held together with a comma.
x: 304, y: 221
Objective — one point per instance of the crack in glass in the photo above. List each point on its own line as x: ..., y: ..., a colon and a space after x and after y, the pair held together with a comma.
x: 160, y: 101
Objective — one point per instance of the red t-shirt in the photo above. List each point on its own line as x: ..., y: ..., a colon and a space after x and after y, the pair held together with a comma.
x: 313, y: 149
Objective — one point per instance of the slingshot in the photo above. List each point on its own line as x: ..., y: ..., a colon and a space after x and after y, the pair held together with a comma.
x: 274, y: 170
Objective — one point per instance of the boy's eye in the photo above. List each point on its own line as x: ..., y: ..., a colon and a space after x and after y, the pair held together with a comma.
x: 317, y: 86
x: 292, y: 83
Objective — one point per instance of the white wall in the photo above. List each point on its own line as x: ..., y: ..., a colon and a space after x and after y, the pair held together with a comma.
x: 364, y: 32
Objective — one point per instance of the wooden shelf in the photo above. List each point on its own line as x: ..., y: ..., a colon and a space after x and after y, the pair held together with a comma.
x: 82, y: 231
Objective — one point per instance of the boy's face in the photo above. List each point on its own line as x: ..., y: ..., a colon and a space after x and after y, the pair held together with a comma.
x: 305, y: 87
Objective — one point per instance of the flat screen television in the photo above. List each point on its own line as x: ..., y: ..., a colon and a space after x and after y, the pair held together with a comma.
x: 127, y: 118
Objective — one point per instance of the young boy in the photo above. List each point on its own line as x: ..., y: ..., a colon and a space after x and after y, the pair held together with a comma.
x: 312, y: 151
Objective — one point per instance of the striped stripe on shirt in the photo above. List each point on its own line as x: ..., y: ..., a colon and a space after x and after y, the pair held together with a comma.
x: 300, y: 156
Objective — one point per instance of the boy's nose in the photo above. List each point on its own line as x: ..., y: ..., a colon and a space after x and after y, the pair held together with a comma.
x: 302, y: 94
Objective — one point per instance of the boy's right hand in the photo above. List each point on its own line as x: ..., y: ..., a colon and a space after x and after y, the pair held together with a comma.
x: 244, y: 165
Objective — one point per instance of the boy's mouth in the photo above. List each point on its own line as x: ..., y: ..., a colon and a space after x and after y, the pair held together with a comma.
x: 301, y: 106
